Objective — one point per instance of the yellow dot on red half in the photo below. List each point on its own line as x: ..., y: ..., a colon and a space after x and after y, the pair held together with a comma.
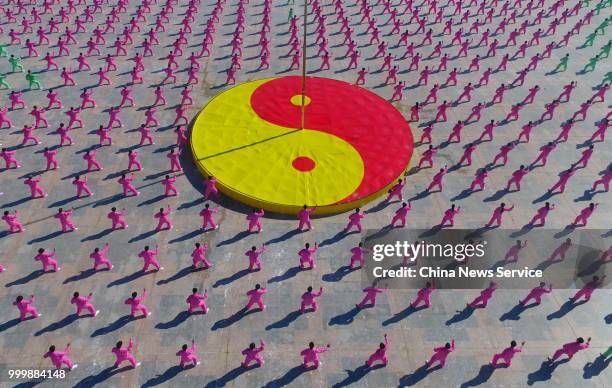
x: 297, y: 100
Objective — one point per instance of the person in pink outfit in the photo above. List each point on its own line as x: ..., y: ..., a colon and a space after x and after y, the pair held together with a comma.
x: 541, y: 215
x: 198, y: 255
x: 47, y: 260
x: 253, y: 353
x: 306, y: 256
x: 124, y: 354
x: 256, y: 298
x: 355, y: 220
x: 496, y: 218
x: 396, y: 190
x: 9, y: 159
x: 441, y: 354
x: 35, y: 190
x: 133, y: 160
x: 81, y: 186
x: 437, y: 179
x: 126, y: 183
x: 561, y: 251
x: 309, y: 299
x: 60, y: 358
x: 207, y: 215
x: 304, y: 217
x: 187, y: 356
x: 357, y: 260
x: 449, y: 215
x: 587, y: 290
x: 536, y: 294
x: 163, y: 219
x: 254, y: 256
x: 25, y: 307
x: 513, y: 253
x: 64, y: 218
x: 169, y: 188
x: 175, y: 163
x: 507, y: 354
x: 12, y: 222
x: 136, y: 304
x: 570, y: 349
x: 99, y: 257
x: 197, y: 301
x: 311, y: 355
x: 83, y: 303
x: 582, y: 218
x: 254, y: 220
x: 369, y: 299
x: 210, y: 187
x: 117, y: 218
x: 380, y: 354
x: 423, y: 295
x: 401, y: 214
x: 149, y: 259
x: 485, y: 295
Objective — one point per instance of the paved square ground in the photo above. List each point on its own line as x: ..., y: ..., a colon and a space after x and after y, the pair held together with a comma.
x: 221, y: 334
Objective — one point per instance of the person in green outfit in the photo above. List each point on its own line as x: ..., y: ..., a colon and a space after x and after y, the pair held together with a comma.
x: 590, y: 66
x: 590, y: 39
x: 607, y: 353
x: 3, y: 52
x: 607, y: 78
x: 33, y: 80
x: 562, y: 66
x: 3, y: 82
x: 290, y: 14
x: 605, y: 50
x: 15, y: 63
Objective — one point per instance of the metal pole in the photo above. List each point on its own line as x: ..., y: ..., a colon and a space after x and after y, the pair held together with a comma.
x: 303, y: 106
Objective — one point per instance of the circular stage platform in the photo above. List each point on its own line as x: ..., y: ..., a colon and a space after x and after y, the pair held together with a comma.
x: 353, y: 147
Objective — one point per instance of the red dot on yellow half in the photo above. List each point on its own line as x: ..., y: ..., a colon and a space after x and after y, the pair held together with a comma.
x: 303, y: 163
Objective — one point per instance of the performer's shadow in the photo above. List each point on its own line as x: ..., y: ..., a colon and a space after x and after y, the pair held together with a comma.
x: 114, y: 326
x: 67, y: 320
x: 286, y: 321
x: 545, y: 372
x: 169, y: 374
x: 339, y: 274
x: 106, y: 374
x: 229, y: 376
x: 405, y: 313
x: 177, y: 320
x: 26, y: 279
x: 284, y: 237
x: 289, y: 377
x: 565, y: 309
x: 345, y: 318
x: 461, y: 315
x: 180, y: 274
x: 485, y: 373
x: 230, y: 279
x: 515, y: 313
x: 129, y: 278
x: 337, y: 238
x: 227, y: 322
x: 353, y: 376
x: 592, y: 369
x: 290, y: 273
x: 607, y: 319
x: 9, y: 324
x: 417, y: 376
x: 239, y: 236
